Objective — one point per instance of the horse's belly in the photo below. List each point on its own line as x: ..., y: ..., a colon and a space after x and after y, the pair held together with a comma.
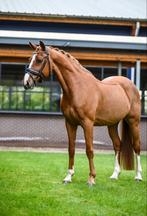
x: 109, y: 118
x: 112, y: 110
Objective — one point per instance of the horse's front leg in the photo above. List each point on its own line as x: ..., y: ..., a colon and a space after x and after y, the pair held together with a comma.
x: 71, y: 131
x: 88, y: 133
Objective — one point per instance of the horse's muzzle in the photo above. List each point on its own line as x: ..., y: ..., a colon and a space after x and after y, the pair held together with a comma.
x: 26, y: 86
x: 28, y: 82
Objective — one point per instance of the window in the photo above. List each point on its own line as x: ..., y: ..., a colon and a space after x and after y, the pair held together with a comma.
x: 12, y: 72
x: 103, y: 72
x: 124, y: 72
x: 43, y: 98
x: 110, y: 72
x: 143, y: 88
x: 95, y: 71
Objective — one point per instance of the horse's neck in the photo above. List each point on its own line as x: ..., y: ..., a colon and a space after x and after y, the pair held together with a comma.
x: 64, y: 71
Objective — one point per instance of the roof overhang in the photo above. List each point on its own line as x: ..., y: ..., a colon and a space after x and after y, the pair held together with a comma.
x: 72, y: 19
x: 74, y: 40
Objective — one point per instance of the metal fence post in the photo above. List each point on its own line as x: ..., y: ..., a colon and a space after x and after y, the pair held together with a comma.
x: 138, y: 67
x: 119, y: 68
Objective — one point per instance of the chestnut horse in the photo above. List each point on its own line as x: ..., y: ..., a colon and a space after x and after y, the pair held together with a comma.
x: 89, y: 102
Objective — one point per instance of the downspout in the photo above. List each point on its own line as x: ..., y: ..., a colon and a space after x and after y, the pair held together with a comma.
x: 137, y: 29
x: 138, y: 62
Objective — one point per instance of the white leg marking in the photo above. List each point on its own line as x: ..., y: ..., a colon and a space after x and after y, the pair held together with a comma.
x: 116, y: 171
x: 138, y: 176
x: 91, y: 181
x: 68, y: 178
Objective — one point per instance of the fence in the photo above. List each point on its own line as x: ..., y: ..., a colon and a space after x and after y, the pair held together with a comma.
x: 143, y: 94
x: 49, y: 131
x: 43, y: 98
x: 45, y: 130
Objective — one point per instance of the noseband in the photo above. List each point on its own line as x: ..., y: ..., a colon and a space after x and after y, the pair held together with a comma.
x: 39, y: 73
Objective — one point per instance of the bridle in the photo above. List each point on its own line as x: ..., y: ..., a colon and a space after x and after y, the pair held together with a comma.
x: 39, y: 74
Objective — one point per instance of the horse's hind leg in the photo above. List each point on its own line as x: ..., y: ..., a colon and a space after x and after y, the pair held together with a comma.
x: 135, y: 131
x: 113, y: 133
x: 71, y: 131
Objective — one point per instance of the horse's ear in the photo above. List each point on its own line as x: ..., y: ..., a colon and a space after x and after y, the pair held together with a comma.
x: 33, y: 46
x: 42, y: 45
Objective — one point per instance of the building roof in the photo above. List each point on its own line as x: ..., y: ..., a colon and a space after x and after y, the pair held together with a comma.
x: 122, y: 9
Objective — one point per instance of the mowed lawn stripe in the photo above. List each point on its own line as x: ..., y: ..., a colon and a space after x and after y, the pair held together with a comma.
x: 31, y: 185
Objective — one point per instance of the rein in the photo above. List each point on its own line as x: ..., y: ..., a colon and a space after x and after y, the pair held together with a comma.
x: 36, y: 73
x: 39, y: 73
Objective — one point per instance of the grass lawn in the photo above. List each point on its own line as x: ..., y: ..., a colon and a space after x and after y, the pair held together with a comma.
x: 31, y: 185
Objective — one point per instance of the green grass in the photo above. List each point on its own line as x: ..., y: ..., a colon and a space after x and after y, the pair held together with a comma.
x: 31, y: 185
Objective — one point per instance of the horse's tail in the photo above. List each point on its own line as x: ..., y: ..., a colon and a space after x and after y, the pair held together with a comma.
x: 126, y: 151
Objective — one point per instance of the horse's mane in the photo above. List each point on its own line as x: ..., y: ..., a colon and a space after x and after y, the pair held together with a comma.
x: 74, y: 60
x: 70, y: 57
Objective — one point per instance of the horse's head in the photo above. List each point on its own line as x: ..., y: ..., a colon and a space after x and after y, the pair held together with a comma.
x: 39, y: 66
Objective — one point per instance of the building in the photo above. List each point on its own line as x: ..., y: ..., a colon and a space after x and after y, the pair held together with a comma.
x: 107, y: 37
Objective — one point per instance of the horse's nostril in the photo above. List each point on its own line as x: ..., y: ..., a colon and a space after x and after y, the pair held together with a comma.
x: 25, y: 87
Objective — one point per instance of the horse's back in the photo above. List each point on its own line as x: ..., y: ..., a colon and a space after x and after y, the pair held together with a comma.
x: 126, y: 84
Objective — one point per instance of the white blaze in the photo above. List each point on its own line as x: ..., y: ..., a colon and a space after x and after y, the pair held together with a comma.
x: 31, y: 63
x: 26, y: 77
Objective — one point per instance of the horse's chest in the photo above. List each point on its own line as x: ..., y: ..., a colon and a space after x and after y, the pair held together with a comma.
x: 71, y: 115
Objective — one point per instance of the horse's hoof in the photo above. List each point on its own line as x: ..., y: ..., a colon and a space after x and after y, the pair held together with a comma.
x: 65, y: 182
x: 113, y: 178
x: 67, y: 179
x: 138, y: 179
x: 90, y: 185
x: 91, y: 181
x: 115, y: 175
